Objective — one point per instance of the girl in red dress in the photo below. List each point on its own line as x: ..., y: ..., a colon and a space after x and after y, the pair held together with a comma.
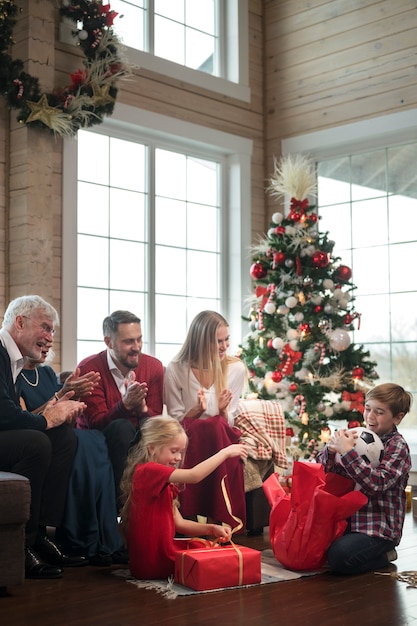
x: 150, y: 516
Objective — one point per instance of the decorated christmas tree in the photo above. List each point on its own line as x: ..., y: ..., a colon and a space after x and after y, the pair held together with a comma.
x: 299, y: 349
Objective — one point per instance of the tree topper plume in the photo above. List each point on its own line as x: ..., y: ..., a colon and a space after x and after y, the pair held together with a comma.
x: 294, y: 176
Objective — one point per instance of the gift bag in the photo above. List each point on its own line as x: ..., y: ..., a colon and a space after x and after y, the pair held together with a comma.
x: 304, y: 523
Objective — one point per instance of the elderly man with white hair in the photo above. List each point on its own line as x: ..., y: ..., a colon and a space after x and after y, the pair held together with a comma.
x: 40, y: 446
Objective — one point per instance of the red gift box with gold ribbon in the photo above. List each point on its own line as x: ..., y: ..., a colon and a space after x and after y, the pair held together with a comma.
x: 217, y: 567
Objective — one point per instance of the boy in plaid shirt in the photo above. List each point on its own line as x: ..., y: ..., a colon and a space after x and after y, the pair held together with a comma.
x: 375, y: 530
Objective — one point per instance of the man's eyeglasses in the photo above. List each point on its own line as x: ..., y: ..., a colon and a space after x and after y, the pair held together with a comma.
x: 48, y: 330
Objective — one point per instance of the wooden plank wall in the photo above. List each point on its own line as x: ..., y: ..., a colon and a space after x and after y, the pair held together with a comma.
x: 331, y: 62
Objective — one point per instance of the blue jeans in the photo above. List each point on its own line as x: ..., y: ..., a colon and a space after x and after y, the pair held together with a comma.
x: 355, y: 553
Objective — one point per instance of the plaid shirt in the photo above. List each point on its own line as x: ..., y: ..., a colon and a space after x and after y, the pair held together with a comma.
x: 383, y: 515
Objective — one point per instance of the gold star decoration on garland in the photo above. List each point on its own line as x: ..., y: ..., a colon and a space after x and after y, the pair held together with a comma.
x: 42, y: 112
x: 93, y: 89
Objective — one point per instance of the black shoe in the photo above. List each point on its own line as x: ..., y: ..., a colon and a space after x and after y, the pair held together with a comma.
x: 120, y: 557
x: 35, y: 567
x: 100, y: 560
x: 52, y: 553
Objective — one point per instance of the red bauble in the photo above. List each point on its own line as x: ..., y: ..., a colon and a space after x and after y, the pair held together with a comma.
x: 313, y: 217
x: 317, y: 308
x: 305, y: 329
x: 343, y: 274
x: 276, y: 376
x: 354, y: 424
x: 257, y: 271
x: 280, y: 258
x: 293, y: 387
x: 279, y: 230
x: 358, y: 372
x: 295, y: 217
x: 320, y: 259
x: 269, y: 344
x: 348, y: 319
x: 289, y: 432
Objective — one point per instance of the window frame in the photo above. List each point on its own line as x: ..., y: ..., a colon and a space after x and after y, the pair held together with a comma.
x: 234, y: 151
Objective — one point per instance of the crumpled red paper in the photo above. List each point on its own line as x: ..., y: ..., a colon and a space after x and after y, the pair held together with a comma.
x: 304, y: 523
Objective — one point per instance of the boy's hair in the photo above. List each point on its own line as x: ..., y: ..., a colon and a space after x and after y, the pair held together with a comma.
x: 398, y: 399
x: 155, y: 431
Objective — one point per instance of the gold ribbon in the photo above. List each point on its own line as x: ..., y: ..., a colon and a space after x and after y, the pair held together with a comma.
x: 238, y: 526
x: 229, y: 506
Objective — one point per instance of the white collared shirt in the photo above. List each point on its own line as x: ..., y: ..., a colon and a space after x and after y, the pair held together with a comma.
x: 119, y: 379
x: 16, y: 358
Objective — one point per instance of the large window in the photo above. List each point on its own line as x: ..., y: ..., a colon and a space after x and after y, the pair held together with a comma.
x: 153, y: 27
x: 202, y: 42
x: 154, y: 224
x: 368, y: 203
x: 367, y: 198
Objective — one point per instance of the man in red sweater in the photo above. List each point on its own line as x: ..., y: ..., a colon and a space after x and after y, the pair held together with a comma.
x: 130, y: 387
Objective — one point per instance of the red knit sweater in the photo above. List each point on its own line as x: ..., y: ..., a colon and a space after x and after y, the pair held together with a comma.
x: 105, y: 404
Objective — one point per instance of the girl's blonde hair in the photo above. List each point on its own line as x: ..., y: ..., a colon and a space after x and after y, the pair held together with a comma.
x: 155, y: 432
x: 200, y: 350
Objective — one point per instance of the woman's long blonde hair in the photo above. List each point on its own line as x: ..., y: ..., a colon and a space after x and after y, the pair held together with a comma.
x: 200, y: 350
x: 155, y: 432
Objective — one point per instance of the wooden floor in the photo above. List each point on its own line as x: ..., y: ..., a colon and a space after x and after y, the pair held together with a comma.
x: 93, y: 596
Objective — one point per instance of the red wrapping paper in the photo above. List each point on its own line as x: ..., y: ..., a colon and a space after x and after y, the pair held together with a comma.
x: 217, y: 568
x: 304, y: 524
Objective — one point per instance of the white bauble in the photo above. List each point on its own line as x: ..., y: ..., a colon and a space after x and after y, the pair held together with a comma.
x: 291, y: 302
x: 277, y: 218
x: 282, y: 309
x: 328, y: 284
x: 292, y: 334
x: 299, y: 316
x: 277, y: 343
x: 339, y: 339
x: 269, y: 308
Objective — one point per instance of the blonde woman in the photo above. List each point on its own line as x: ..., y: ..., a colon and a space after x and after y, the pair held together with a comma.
x: 202, y: 388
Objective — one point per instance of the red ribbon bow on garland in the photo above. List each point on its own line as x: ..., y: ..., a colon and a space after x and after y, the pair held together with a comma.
x: 356, y: 400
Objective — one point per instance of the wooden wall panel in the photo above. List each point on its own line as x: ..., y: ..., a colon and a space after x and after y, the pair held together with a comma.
x: 334, y: 62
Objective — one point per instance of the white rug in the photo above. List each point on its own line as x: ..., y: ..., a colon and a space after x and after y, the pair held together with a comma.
x: 271, y: 570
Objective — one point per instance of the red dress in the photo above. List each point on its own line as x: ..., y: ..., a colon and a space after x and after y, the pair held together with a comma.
x: 151, y: 526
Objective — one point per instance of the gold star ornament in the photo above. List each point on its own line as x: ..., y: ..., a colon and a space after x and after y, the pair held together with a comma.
x: 101, y: 95
x: 42, y: 112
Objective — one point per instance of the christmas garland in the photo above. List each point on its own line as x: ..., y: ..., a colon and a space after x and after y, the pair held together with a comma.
x: 92, y: 92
